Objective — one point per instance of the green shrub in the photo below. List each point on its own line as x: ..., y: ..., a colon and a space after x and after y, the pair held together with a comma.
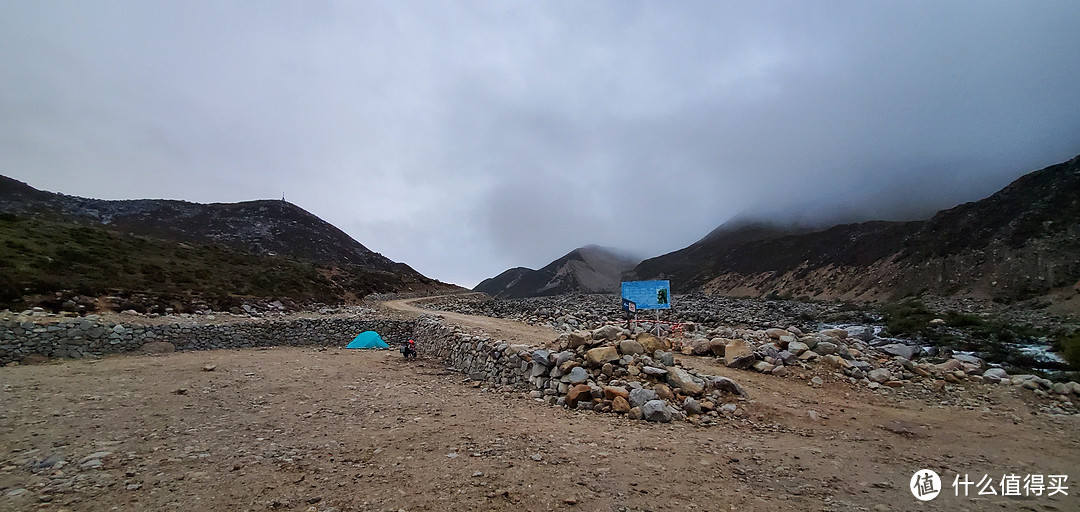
x: 1070, y: 348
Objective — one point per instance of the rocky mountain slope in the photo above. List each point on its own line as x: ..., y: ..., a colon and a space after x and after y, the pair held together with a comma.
x: 1021, y: 242
x: 589, y: 269
x: 264, y: 227
x: 60, y: 244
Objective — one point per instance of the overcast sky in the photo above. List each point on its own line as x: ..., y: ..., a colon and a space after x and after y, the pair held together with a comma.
x: 467, y: 138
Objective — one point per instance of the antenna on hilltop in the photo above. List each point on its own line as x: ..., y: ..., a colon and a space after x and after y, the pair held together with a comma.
x: 283, y: 197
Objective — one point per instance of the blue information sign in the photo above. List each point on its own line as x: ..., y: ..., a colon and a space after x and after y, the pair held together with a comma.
x: 648, y: 294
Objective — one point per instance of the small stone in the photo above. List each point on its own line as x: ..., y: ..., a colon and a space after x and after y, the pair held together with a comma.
x: 537, y: 457
x: 134, y: 487
x: 817, y: 382
x: 209, y: 367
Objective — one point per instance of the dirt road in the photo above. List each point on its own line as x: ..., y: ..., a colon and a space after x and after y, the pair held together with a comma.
x: 508, y: 330
x: 331, y: 429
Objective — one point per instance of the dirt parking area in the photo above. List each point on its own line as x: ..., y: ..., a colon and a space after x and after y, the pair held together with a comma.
x: 332, y: 429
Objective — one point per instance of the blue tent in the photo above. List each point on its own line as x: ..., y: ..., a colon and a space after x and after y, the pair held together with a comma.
x: 367, y: 339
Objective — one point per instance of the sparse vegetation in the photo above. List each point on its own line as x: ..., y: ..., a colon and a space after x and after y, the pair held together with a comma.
x: 989, y: 337
x: 43, y: 257
x: 1070, y: 348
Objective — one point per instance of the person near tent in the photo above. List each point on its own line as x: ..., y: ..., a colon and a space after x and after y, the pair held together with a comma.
x: 408, y: 348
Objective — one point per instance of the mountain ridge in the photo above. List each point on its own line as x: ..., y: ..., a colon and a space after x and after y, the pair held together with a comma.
x: 179, y: 250
x: 587, y: 269
x: 1014, y: 244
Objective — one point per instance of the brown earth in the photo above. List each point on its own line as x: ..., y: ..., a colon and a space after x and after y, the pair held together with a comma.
x: 323, y: 429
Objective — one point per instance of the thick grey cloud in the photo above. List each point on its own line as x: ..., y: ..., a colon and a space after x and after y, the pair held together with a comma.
x: 465, y: 138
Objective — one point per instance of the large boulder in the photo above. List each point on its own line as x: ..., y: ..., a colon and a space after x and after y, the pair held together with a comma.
x: 775, y: 333
x: 691, y: 406
x: 797, y: 348
x: 541, y: 357
x: 631, y: 347
x: 738, y: 354
x: 578, y: 339
x: 717, y: 345
x: 651, y: 343
x: 600, y: 355
x: 700, y: 347
x: 880, y: 375
x: 579, y: 393
x: 620, y: 405
x: 898, y: 349
x: 578, y: 375
x: 679, y: 378
x: 839, y: 334
x: 610, y: 392
x: 727, y: 385
x: 996, y: 373
x: 975, y: 362
x: 825, y: 348
x: 608, y: 332
x: 639, y: 396
x: 656, y: 410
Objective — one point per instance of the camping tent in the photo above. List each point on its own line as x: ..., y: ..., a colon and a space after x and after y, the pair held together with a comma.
x: 367, y: 339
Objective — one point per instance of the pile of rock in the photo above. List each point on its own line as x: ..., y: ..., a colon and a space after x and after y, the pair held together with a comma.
x: 861, y: 357
x: 605, y: 370
x: 591, y: 311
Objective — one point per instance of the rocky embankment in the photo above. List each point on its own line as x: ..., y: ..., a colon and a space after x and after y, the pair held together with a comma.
x: 604, y: 370
x: 762, y: 340
x: 590, y: 311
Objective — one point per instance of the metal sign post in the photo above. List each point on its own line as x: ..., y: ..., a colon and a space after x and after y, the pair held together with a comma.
x: 646, y: 295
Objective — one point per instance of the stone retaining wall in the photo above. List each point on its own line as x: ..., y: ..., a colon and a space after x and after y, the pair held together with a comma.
x: 81, y: 337
x: 479, y: 357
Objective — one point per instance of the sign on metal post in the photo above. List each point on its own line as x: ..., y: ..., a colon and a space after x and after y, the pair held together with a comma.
x: 647, y: 294
x: 629, y: 306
